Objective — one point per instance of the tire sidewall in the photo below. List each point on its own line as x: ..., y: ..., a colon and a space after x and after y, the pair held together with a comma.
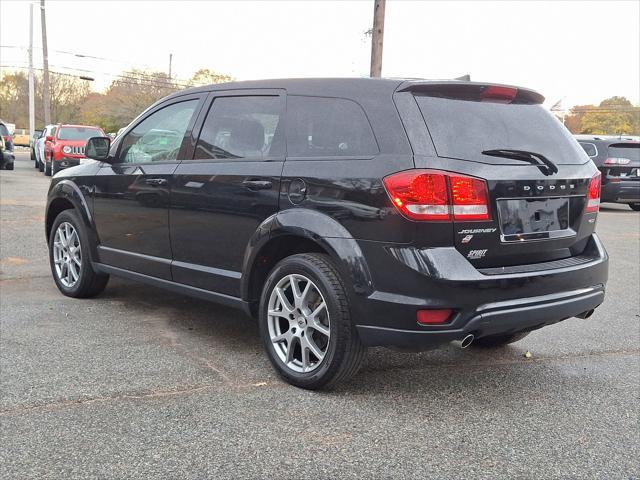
x: 72, y: 217
x: 331, y: 362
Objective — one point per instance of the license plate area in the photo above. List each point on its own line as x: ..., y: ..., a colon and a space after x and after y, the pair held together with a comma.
x: 525, y: 219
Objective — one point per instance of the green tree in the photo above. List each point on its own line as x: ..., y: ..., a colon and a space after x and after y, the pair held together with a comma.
x: 614, y: 116
x: 204, y: 76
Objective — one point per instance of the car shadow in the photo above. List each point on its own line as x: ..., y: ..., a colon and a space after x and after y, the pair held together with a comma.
x: 230, y: 339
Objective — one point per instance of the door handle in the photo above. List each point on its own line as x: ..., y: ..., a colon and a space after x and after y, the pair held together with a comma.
x: 257, y: 184
x: 157, y: 182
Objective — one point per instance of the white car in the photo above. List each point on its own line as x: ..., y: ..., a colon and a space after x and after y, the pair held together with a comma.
x: 48, y: 131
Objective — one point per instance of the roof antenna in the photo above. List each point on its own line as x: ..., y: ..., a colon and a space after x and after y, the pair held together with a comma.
x: 464, y: 78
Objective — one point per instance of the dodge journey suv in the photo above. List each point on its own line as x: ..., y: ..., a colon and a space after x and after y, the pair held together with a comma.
x: 342, y: 214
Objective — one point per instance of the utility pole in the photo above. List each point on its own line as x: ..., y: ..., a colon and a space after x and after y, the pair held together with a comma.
x: 170, y: 61
x: 45, y: 58
x: 377, y: 38
x: 32, y: 100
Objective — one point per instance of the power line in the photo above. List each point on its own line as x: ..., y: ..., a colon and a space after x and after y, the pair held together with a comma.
x: 146, y: 79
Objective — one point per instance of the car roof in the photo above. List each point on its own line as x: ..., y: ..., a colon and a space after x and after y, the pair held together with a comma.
x: 607, y: 138
x: 346, y: 87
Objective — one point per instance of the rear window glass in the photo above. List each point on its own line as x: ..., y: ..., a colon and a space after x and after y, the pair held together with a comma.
x: 589, y: 148
x: 78, y: 133
x: 464, y: 129
x: 328, y: 127
x: 625, y: 150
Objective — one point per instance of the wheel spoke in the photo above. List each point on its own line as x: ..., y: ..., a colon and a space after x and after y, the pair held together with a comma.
x: 278, y: 313
x: 319, y: 327
x: 291, y: 347
x: 74, y: 273
x: 311, y: 345
x: 283, y: 300
x: 318, y: 310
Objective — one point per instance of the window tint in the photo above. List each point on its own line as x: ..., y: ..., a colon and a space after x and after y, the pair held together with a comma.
x: 328, y: 127
x: 630, y: 151
x: 242, y: 127
x: 464, y: 129
x: 78, y: 133
x: 158, y: 137
x: 589, y: 148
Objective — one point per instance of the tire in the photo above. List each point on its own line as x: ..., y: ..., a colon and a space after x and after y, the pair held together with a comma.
x: 54, y: 170
x: 47, y: 169
x: 88, y: 282
x: 635, y: 206
x: 33, y: 157
x: 342, y: 352
x: 9, y: 166
x: 40, y: 166
x: 493, y: 341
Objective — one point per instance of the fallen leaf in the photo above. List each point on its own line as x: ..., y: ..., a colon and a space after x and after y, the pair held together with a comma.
x: 528, y: 354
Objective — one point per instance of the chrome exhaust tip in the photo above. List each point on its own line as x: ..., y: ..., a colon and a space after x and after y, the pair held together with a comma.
x: 464, y: 342
x: 586, y: 314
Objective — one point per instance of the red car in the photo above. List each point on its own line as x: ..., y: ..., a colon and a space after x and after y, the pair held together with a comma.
x: 65, y: 148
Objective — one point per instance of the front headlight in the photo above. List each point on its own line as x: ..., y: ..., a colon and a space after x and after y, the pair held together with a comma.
x: 66, y: 149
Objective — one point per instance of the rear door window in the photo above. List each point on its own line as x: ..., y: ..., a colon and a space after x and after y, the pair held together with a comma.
x: 242, y: 127
x: 328, y: 127
x: 463, y: 129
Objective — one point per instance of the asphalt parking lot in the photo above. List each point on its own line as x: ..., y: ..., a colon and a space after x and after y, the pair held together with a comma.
x: 141, y: 383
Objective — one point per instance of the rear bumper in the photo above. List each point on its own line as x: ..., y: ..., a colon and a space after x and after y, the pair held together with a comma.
x: 483, y: 304
x: 621, y: 192
x: 493, y: 318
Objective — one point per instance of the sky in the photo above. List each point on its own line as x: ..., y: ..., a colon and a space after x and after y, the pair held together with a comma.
x: 577, y: 52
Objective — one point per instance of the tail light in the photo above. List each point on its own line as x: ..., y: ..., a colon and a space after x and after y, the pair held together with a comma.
x: 438, y: 196
x: 617, y: 161
x: 469, y: 197
x: 7, y: 138
x: 593, y: 197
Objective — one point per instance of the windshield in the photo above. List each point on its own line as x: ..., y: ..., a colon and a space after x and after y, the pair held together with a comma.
x: 78, y: 133
x: 625, y: 150
x: 463, y: 129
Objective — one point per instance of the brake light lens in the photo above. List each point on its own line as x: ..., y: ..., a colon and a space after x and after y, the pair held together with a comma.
x: 438, y: 196
x: 617, y: 161
x: 433, y: 317
x: 496, y: 93
x: 469, y: 198
x: 419, y: 194
x: 593, y: 197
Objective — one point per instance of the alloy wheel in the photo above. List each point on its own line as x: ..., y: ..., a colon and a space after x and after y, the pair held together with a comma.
x: 67, y: 254
x: 298, y: 322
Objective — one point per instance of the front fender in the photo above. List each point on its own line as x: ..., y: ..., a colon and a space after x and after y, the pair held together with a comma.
x: 69, y: 191
x: 322, y: 230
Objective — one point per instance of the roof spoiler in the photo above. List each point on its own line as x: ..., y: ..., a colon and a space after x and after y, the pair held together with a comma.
x: 472, y: 91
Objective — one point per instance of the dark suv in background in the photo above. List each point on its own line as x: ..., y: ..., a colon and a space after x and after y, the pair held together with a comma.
x: 618, y: 159
x: 342, y: 213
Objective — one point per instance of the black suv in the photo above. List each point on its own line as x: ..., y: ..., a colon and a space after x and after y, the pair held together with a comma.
x: 342, y: 213
x: 618, y: 159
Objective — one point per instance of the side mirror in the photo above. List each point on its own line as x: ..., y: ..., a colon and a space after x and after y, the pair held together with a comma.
x: 48, y: 138
x: 98, y: 148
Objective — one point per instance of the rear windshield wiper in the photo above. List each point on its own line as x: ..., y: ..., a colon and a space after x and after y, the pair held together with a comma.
x: 545, y: 165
